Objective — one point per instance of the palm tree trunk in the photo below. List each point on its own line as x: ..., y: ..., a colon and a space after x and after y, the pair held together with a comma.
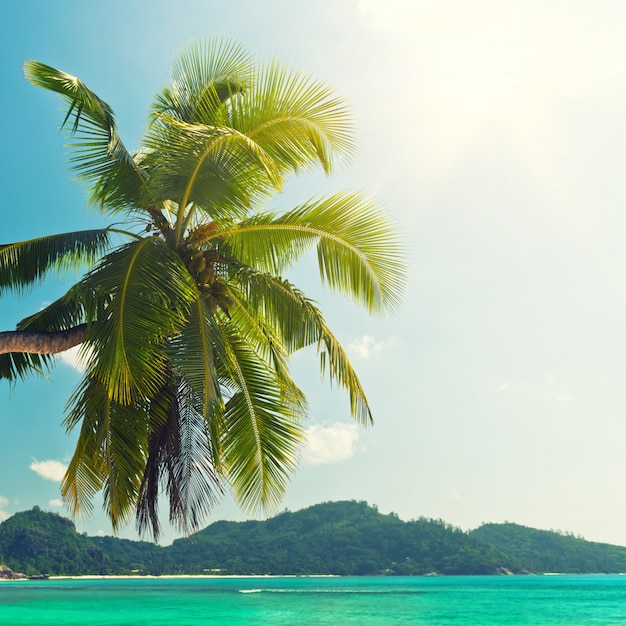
x: 42, y: 342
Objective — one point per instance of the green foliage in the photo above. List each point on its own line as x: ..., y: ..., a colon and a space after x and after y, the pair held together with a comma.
x: 548, y: 551
x: 35, y: 542
x: 340, y: 538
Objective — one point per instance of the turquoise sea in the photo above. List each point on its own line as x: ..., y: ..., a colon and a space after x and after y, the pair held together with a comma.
x: 445, y: 601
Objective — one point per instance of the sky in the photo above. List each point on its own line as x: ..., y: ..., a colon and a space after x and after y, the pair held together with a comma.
x: 492, y: 132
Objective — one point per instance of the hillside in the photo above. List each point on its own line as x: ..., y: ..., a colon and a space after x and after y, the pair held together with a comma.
x: 345, y: 538
x: 35, y: 542
x: 547, y: 551
x: 341, y: 538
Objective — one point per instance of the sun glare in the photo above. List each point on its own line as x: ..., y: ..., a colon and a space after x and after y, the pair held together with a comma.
x: 482, y: 80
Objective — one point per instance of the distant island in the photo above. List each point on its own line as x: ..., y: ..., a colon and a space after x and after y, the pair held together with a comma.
x: 335, y: 538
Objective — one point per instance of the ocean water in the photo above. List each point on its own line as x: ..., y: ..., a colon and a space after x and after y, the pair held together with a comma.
x: 445, y: 601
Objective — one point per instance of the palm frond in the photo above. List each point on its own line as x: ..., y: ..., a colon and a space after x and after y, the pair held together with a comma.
x: 179, y: 455
x: 192, y: 354
x: 260, y: 332
x: 359, y: 252
x: 264, y: 338
x: 205, y: 75
x: 21, y: 365
x: 86, y: 472
x: 149, y: 292
x: 214, y: 167
x: 61, y: 314
x: 163, y: 443
x: 276, y: 306
x: 110, y: 453
x: 264, y: 429
x: 99, y: 157
x: 300, y: 324
x: 334, y: 357
x: 298, y: 120
x: 26, y: 263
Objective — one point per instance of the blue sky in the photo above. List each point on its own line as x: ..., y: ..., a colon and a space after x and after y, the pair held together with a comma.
x: 492, y: 131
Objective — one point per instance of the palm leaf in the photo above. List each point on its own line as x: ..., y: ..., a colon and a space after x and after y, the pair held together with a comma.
x: 86, y: 472
x: 98, y: 157
x: 296, y: 119
x: 26, y: 263
x: 180, y: 457
x: 262, y: 336
x: 358, y: 249
x: 61, y: 314
x: 192, y: 354
x: 64, y: 313
x: 264, y: 429
x: 110, y: 453
x: 214, y: 167
x: 204, y: 76
x: 21, y: 365
x: 194, y: 485
x: 149, y: 293
x: 300, y: 324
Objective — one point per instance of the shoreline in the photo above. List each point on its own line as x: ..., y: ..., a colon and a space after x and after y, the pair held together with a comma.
x: 185, y: 576
x: 268, y: 576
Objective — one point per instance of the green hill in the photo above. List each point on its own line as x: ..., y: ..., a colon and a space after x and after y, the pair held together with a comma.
x: 548, y: 551
x: 36, y: 542
x: 345, y: 538
x: 342, y: 538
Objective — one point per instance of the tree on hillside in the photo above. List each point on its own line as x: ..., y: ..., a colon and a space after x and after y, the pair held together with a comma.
x: 185, y: 321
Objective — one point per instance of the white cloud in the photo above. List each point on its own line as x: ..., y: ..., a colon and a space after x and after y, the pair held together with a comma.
x: 559, y: 391
x: 50, y: 470
x: 563, y: 398
x: 332, y: 443
x: 101, y: 533
x: 3, y: 503
x: 502, y: 388
x: 366, y: 346
x: 72, y: 357
x: 56, y: 503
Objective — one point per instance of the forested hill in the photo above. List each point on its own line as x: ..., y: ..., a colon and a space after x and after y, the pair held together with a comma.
x: 346, y: 538
x: 343, y: 538
x: 547, y: 551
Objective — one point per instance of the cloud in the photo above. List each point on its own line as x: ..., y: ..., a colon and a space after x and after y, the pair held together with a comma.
x: 4, y: 502
x: 501, y: 388
x: 56, y: 503
x: 50, y: 470
x: 331, y: 443
x: 367, y: 346
x: 74, y: 359
x: 559, y: 391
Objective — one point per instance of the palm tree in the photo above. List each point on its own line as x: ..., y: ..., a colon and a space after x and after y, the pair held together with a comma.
x: 185, y: 321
